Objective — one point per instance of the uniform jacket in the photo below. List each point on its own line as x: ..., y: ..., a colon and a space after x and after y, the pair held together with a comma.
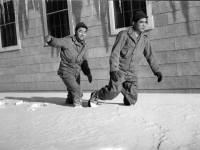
x: 127, y: 52
x: 73, y: 55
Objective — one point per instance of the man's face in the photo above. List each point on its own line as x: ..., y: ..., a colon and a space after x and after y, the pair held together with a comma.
x: 81, y: 33
x: 141, y: 24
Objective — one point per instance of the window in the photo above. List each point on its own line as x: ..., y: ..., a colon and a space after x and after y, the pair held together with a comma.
x: 9, y: 39
x: 121, y: 12
x: 57, y: 18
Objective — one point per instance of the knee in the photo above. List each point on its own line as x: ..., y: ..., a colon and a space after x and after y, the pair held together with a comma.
x: 116, y: 89
x: 112, y: 95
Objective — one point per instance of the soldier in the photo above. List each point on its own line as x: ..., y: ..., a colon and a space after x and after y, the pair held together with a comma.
x: 73, y: 59
x: 124, y: 60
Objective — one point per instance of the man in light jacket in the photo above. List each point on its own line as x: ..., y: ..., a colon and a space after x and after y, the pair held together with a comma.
x: 126, y: 54
x: 73, y: 58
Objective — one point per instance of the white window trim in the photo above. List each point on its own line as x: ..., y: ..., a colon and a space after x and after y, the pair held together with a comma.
x: 16, y: 47
x: 69, y: 15
x: 115, y: 31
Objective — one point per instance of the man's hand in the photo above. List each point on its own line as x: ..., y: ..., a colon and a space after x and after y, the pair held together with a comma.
x: 159, y: 75
x: 48, y: 38
x: 115, y: 75
x: 89, y: 78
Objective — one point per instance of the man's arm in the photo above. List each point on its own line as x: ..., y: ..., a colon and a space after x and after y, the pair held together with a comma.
x: 151, y: 59
x: 54, y: 42
x: 115, y: 53
x: 149, y: 54
x: 85, y: 67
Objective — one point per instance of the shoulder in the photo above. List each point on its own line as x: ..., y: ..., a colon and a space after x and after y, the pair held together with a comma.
x: 68, y: 38
x: 122, y: 34
x: 146, y: 37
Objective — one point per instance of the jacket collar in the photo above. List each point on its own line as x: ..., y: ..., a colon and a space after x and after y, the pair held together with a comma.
x: 76, y: 42
x: 132, y: 34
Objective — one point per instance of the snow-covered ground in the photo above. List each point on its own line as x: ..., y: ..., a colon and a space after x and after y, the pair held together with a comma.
x: 42, y: 121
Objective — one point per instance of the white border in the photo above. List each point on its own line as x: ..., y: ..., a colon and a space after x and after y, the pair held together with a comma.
x: 115, y: 31
x: 16, y: 47
x: 69, y: 16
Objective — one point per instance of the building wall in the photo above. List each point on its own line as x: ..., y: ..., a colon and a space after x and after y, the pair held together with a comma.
x: 175, y: 40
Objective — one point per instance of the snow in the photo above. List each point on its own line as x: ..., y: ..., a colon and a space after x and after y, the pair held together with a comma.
x: 39, y: 121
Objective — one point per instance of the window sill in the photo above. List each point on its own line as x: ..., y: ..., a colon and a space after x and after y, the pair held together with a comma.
x: 10, y: 48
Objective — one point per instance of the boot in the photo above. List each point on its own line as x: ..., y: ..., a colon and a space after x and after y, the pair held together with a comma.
x: 69, y: 101
x: 93, y: 101
x: 126, y: 102
x: 78, y: 103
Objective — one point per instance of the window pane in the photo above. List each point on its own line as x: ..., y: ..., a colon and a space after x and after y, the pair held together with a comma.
x: 8, y: 28
x: 135, y: 5
x: 3, y: 36
x: 117, y: 7
x: 11, y: 11
x: 13, y: 34
x: 6, y: 13
x: 8, y: 35
x: 65, y: 30
x: 64, y: 4
x: 64, y: 17
x: 127, y: 5
x: 60, y: 5
x: 54, y: 5
x: 48, y: 6
x: 123, y: 16
x: 50, y: 21
x: 143, y: 4
x: 57, y: 19
x: 119, y: 20
x: 1, y: 19
x: 52, y: 31
x: 57, y: 32
x: 128, y: 19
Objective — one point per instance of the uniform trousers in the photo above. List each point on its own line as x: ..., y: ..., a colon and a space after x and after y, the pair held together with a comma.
x: 124, y: 85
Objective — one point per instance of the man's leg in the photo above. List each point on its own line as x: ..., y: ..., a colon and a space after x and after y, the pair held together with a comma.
x: 130, y: 93
x: 73, y: 87
x: 108, y: 92
x: 69, y: 99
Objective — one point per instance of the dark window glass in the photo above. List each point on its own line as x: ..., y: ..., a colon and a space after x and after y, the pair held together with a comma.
x: 124, y: 10
x: 57, y: 18
x: 8, y: 28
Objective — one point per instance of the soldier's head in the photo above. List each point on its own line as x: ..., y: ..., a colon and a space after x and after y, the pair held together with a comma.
x: 81, y: 31
x: 140, y: 21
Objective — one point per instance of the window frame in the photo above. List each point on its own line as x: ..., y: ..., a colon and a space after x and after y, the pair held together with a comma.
x: 115, y: 31
x: 69, y: 16
x: 18, y: 46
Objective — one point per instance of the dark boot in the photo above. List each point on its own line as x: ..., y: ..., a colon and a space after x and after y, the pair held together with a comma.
x: 126, y: 102
x: 69, y: 101
x: 93, y: 101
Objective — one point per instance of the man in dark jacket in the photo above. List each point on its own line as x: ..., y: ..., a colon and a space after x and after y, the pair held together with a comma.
x: 73, y: 59
x: 126, y: 54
